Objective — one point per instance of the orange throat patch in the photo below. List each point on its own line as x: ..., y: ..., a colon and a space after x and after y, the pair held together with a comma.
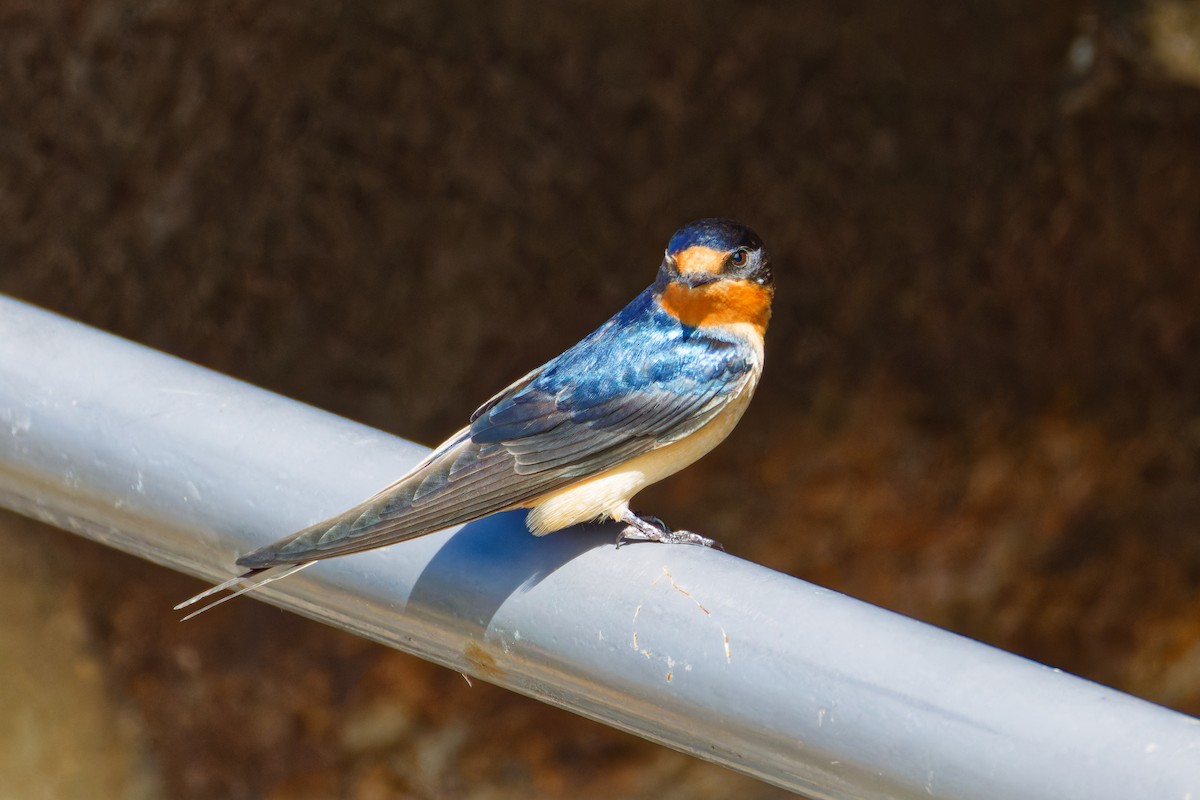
x: 727, y: 302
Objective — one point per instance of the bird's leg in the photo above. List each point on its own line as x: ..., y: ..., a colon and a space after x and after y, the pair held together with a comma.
x: 638, y: 529
x: 656, y: 521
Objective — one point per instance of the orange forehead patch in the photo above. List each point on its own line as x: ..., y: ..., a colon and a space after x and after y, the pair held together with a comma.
x: 719, y: 303
x: 699, y: 259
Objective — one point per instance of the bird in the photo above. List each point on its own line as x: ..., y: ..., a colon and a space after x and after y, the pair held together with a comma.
x: 649, y: 392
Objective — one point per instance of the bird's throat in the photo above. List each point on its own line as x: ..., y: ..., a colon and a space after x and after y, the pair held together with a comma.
x: 721, y: 303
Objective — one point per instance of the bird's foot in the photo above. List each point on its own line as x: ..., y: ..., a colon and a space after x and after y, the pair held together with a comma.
x: 653, y: 529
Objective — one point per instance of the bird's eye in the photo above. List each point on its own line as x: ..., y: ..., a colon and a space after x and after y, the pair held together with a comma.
x: 740, y: 257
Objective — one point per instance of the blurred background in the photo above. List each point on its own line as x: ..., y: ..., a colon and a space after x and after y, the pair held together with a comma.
x: 982, y: 398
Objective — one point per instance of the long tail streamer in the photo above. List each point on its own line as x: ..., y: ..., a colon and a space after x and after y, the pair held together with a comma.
x: 249, y: 581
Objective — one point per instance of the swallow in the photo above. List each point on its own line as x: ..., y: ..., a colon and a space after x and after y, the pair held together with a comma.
x: 646, y: 394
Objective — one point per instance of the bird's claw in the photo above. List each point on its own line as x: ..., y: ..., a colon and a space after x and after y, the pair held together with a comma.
x: 688, y: 537
x: 653, y: 529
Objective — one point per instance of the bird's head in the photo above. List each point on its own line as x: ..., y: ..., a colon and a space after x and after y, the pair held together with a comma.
x: 716, y: 273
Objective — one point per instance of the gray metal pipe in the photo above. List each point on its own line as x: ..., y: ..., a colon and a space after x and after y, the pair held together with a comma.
x: 698, y: 650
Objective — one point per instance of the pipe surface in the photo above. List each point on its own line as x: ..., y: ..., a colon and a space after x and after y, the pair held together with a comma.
x: 696, y: 649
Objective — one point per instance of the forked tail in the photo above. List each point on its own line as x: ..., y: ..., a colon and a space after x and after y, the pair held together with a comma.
x: 248, y: 581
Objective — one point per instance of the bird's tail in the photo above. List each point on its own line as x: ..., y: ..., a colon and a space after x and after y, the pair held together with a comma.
x: 246, y: 582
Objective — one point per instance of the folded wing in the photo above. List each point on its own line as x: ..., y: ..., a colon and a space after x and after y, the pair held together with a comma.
x: 614, y: 396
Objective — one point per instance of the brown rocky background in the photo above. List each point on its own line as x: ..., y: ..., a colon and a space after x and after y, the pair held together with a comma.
x: 982, y: 400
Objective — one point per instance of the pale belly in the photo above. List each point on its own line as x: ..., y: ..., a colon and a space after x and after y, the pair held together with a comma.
x: 607, y: 494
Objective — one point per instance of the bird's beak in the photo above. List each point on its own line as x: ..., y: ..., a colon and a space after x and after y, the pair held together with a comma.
x: 694, y: 280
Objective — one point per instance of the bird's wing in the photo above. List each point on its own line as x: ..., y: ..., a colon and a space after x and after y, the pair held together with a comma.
x: 594, y: 407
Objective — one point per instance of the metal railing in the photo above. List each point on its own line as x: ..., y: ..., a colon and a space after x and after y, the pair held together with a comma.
x: 698, y: 650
